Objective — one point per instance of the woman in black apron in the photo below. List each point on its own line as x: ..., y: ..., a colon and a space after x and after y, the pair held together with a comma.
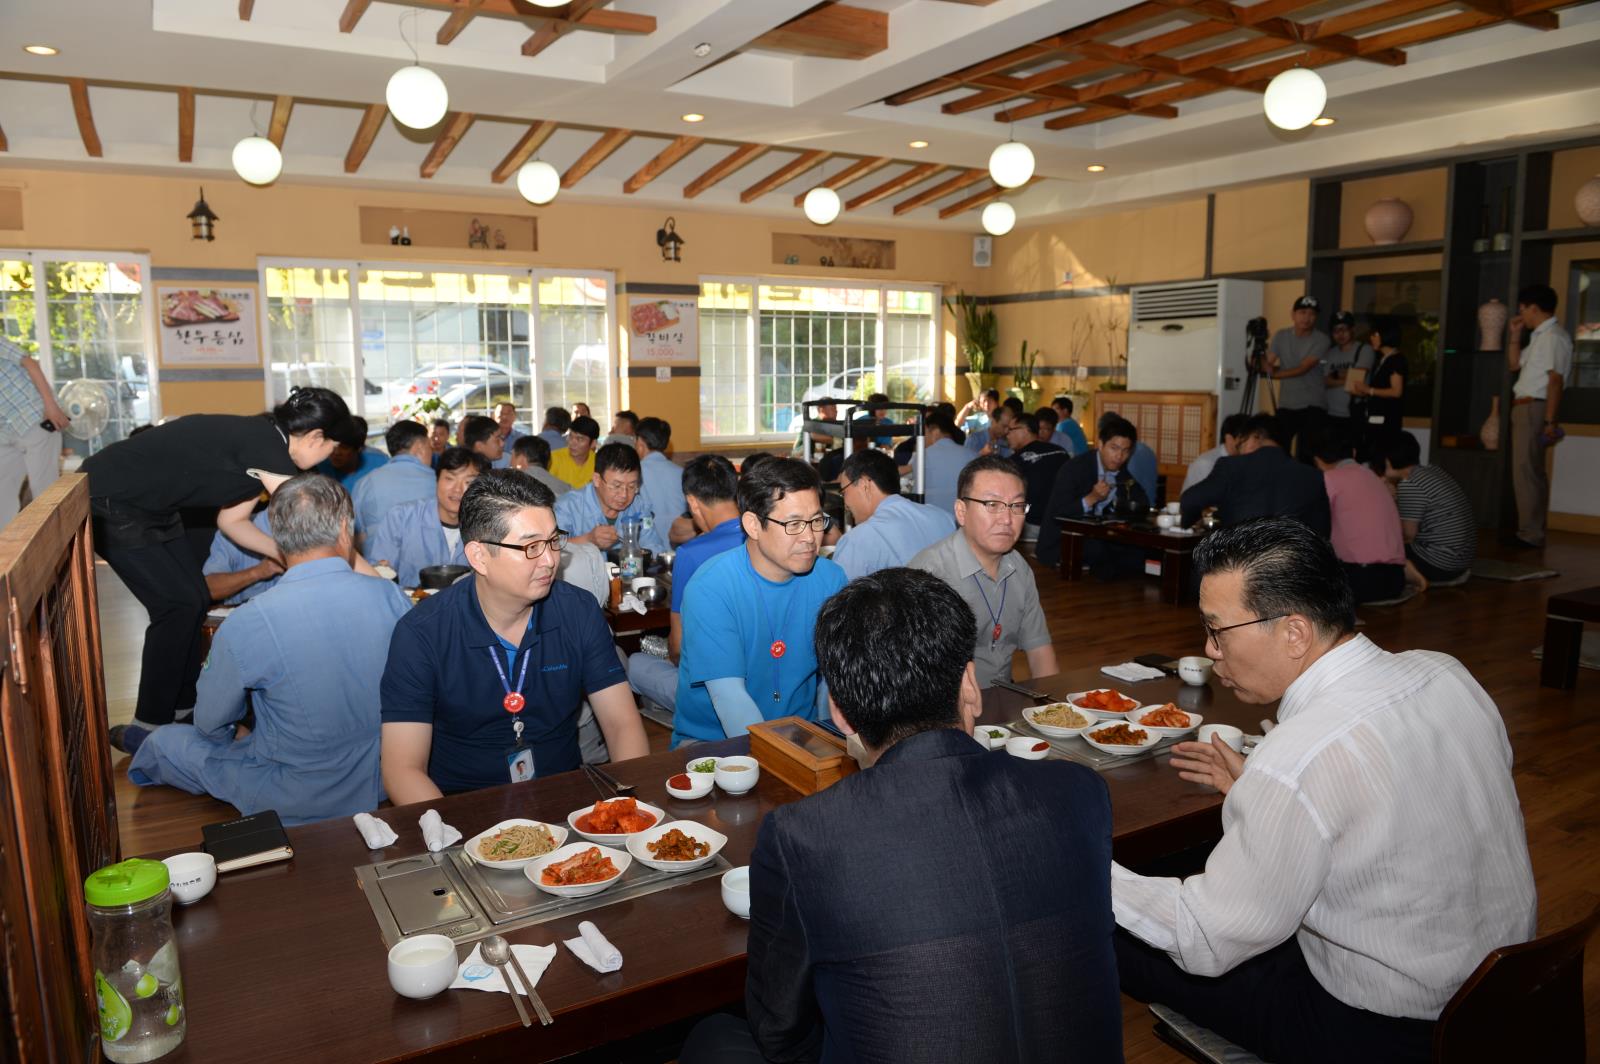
x: 217, y: 461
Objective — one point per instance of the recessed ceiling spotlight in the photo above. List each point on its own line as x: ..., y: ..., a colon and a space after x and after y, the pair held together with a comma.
x: 702, y: 49
x: 1323, y: 121
x: 918, y: 144
x: 1096, y: 168
x: 40, y: 49
x: 694, y: 117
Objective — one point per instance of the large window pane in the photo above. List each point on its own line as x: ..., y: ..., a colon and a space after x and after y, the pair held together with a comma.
x: 17, y: 305
x: 573, y: 351
x: 96, y: 321
x: 814, y: 342
x: 908, y: 325
x: 308, y: 330
x: 725, y: 407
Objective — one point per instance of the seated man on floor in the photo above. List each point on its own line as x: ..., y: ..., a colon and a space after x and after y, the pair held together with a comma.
x: 1262, y: 480
x: 554, y: 431
x: 427, y: 532
x: 233, y: 574
x: 943, y: 459
x: 749, y: 613
x: 1373, y: 850
x: 306, y: 656
x: 661, y: 479
x: 979, y: 561
x: 531, y: 455
x: 1232, y: 435
x: 1366, y: 528
x: 352, y: 459
x: 890, y: 529
x: 710, y: 488
x: 505, y: 420
x: 407, y: 477
x: 596, y: 512
x: 1069, y: 434
x: 438, y: 439
x: 1097, y: 482
x: 1435, y: 515
x: 1039, y: 461
x: 935, y: 954
x: 574, y: 463
x: 992, y: 439
x: 481, y: 436
x: 485, y: 680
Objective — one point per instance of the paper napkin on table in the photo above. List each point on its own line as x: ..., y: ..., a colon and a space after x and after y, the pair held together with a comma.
x: 630, y: 601
x: 374, y: 832
x: 475, y: 973
x: 1132, y: 672
x: 593, y: 949
x: 436, y: 833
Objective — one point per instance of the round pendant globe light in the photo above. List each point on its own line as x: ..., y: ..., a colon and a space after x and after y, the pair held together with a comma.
x: 822, y: 205
x: 998, y: 218
x: 1295, y: 98
x: 1011, y: 164
x: 257, y: 160
x: 538, y: 182
x: 417, y: 97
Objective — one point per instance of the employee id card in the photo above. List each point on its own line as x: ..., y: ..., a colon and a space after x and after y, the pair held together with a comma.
x: 519, y: 763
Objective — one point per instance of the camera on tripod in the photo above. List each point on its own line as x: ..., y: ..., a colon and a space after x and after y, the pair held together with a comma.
x: 1255, y: 334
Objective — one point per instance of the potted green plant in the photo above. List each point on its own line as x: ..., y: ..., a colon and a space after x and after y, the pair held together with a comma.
x: 980, y: 333
x: 1023, y: 386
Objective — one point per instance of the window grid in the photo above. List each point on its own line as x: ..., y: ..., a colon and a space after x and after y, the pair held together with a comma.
x: 725, y: 406
x: 573, y: 352
x: 309, y: 342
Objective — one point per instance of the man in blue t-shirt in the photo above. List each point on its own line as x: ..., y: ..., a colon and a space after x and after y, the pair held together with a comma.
x: 1069, y: 434
x: 710, y: 487
x: 485, y: 680
x: 748, y: 615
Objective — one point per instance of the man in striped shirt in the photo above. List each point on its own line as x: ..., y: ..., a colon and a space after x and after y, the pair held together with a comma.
x: 1435, y: 515
x: 1372, y: 849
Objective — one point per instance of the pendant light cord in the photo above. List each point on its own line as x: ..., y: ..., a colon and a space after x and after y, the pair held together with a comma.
x: 416, y: 60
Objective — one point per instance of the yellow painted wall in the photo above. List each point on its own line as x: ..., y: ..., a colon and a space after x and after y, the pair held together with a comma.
x: 1422, y: 190
x: 1260, y: 228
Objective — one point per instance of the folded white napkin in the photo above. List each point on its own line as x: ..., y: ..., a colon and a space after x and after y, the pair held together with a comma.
x: 1131, y: 672
x: 593, y: 949
x: 630, y: 601
x: 436, y: 833
x: 477, y: 974
x: 374, y: 832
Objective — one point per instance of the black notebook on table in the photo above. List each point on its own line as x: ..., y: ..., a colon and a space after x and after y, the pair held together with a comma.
x: 247, y: 842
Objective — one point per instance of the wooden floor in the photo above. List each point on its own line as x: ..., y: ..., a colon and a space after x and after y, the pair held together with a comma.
x: 1491, y: 626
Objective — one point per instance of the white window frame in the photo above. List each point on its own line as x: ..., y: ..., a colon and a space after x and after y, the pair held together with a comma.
x: 753, y: 332
x: 613, y: 372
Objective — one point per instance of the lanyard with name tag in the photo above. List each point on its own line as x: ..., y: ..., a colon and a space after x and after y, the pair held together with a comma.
x: 519, y: 759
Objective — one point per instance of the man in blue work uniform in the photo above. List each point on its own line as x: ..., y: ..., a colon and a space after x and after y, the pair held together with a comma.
x: 505, y: 418
x: 661, y: 479
x: 233, y: 574
x: 593, y: 513
x: 889, y: 529
x: 428, y: 532
x: 992, y: 440
x: 943, y: 459
x: 408, y: 476
x: 307, y: 656
x: 748, y: 615
x: 352, y: 460
x: 557, y: 421
x: 1069, y: 434
x: 485, y: 680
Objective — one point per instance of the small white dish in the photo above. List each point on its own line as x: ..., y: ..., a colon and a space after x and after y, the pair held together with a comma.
x: 1173, y: 508
x: 386, y: 572
x: 708, y: 773
x: 535, y: 871
x: 639, y: 846
x: 1165, y: 521
x: 737, y: 774
x: 699, y: 786
x: 421, y: 966
x: 1103, y: 714
x: 619, y: 838
x: 736, y: 891
x: 993, y: 736
x: 470, y: 847
x: 1150, y: 739
x: 191, y: 875
x: 1234, y: 737
x: 1137, y: 717
x: 1195, y: 671
x: 1027, y: 747
x: 1055, y: 731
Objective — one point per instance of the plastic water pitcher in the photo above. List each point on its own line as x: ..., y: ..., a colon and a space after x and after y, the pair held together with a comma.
x: 136, y: 980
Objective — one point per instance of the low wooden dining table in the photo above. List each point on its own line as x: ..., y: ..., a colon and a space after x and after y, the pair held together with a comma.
x: 285, y: 962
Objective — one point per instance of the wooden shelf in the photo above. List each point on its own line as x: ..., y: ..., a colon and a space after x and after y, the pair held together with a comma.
x: 1564, y: 236
x: 1381, y: 251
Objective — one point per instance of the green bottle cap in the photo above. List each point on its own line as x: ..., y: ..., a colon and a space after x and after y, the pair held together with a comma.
x: 126, y: 883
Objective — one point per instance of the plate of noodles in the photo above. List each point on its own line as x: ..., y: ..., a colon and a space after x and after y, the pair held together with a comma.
x: 1059, y: 720
x: 514, y: 844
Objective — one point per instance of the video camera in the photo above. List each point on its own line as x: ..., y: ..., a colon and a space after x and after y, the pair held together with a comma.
x: 1255, y: 334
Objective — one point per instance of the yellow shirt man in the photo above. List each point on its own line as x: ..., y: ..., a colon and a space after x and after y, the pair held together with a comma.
x: 575, y: 463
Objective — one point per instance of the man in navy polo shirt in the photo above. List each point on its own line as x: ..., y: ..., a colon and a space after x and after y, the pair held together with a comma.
x: 485, y: 680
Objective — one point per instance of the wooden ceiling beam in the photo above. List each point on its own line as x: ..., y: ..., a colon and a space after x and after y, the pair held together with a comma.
x: 740, y: 157
x: 1366, y: 16
x: 353, y: 10
x: 913, y: 176
x: 1539, y: 20
x: 669, y: 157
x: 597, y: 19
x: 1431, y: 30
x: 85, y: 117
x: 1282, y: 29
x: 1027, y: 85
x: 598, y: 152
x: 457, y: 21
x: 546, y: 35
x: 246, y: 9
x: 371, y: 121
x: 281, y: 106
x: 186, y: 125
x: 522, y: 151
x: 1028, y: 53
x: 977, y: 199
x: 830, y: 31
x: 942, y: 189
x: 785, y: 173
x: 451, y: 130
x: 854, y: 172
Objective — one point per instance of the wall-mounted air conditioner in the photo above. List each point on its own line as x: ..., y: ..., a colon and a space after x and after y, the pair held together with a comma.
x: 1189, y: 337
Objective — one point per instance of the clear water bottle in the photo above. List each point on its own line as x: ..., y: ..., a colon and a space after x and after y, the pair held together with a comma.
x: 136, y: 979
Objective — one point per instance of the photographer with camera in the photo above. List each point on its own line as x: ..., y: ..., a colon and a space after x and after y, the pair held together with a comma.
x: 1296, y: 358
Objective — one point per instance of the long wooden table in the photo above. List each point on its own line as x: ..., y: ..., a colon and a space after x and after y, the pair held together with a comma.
x: 1177, y: 552
x: 285, y: 962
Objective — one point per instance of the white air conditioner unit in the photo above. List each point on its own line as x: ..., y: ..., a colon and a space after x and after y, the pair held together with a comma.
x: 1189, y: 337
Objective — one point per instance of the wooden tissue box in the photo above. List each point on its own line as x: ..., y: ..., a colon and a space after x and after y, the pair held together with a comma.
x: 801, y: 754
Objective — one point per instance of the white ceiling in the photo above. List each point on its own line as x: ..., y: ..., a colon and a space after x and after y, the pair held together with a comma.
x: 1505, y: 82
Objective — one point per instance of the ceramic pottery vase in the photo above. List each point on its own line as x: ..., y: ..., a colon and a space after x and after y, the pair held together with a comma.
x: 1489, y: 435
x: 1388, y: 220
x: 1491, y: 325
x: 1587, y: 201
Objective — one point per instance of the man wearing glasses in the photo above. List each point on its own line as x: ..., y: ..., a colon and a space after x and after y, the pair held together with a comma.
x: 1098, y: 482
x: 485, y: 680
x: 980, y: 562
x: 889, y: 528
x: 594, y: 513
x: 749, y: 613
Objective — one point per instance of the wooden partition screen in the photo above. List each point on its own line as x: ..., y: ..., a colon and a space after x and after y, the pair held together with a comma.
x: 58, y: 814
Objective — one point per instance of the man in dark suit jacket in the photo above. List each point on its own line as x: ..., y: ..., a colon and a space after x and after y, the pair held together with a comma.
x: 1262, y: 480
x: 1098, y: 482
x: 948, y: 903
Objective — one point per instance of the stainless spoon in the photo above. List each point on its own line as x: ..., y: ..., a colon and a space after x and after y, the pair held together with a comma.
x: 497, y: 951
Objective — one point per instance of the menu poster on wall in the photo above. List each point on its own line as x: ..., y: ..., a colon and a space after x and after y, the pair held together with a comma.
x: 203, y: 325
x: 663, y: 329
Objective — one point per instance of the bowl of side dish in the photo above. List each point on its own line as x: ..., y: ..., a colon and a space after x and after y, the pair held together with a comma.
x: 689, y: 785
x: 993, y: 736
x: 1059, y: 720
x: 578, y: 869
x: 1119, y: 737
x: 1104, y: 702
x: 1167, y: 721
x: 611, y: 821
x: 514, y: 844
x: 1027, y: 747
x: 702, y: 766
x: 737, y: 774
x: 685, y: 844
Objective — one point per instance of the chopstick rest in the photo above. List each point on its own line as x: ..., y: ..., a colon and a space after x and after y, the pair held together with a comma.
x: 475, y: 973
x: 374, y: 832
x: 436, y: 833
x: 594, y: 949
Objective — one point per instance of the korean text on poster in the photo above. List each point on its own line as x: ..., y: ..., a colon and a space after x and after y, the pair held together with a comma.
x: 663, y: 330
x: 208, y: 325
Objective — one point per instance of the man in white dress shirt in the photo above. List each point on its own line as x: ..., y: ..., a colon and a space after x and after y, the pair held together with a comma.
x: 1232, y: 433
x: 1373, y: 849
x: 1542, y: 370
